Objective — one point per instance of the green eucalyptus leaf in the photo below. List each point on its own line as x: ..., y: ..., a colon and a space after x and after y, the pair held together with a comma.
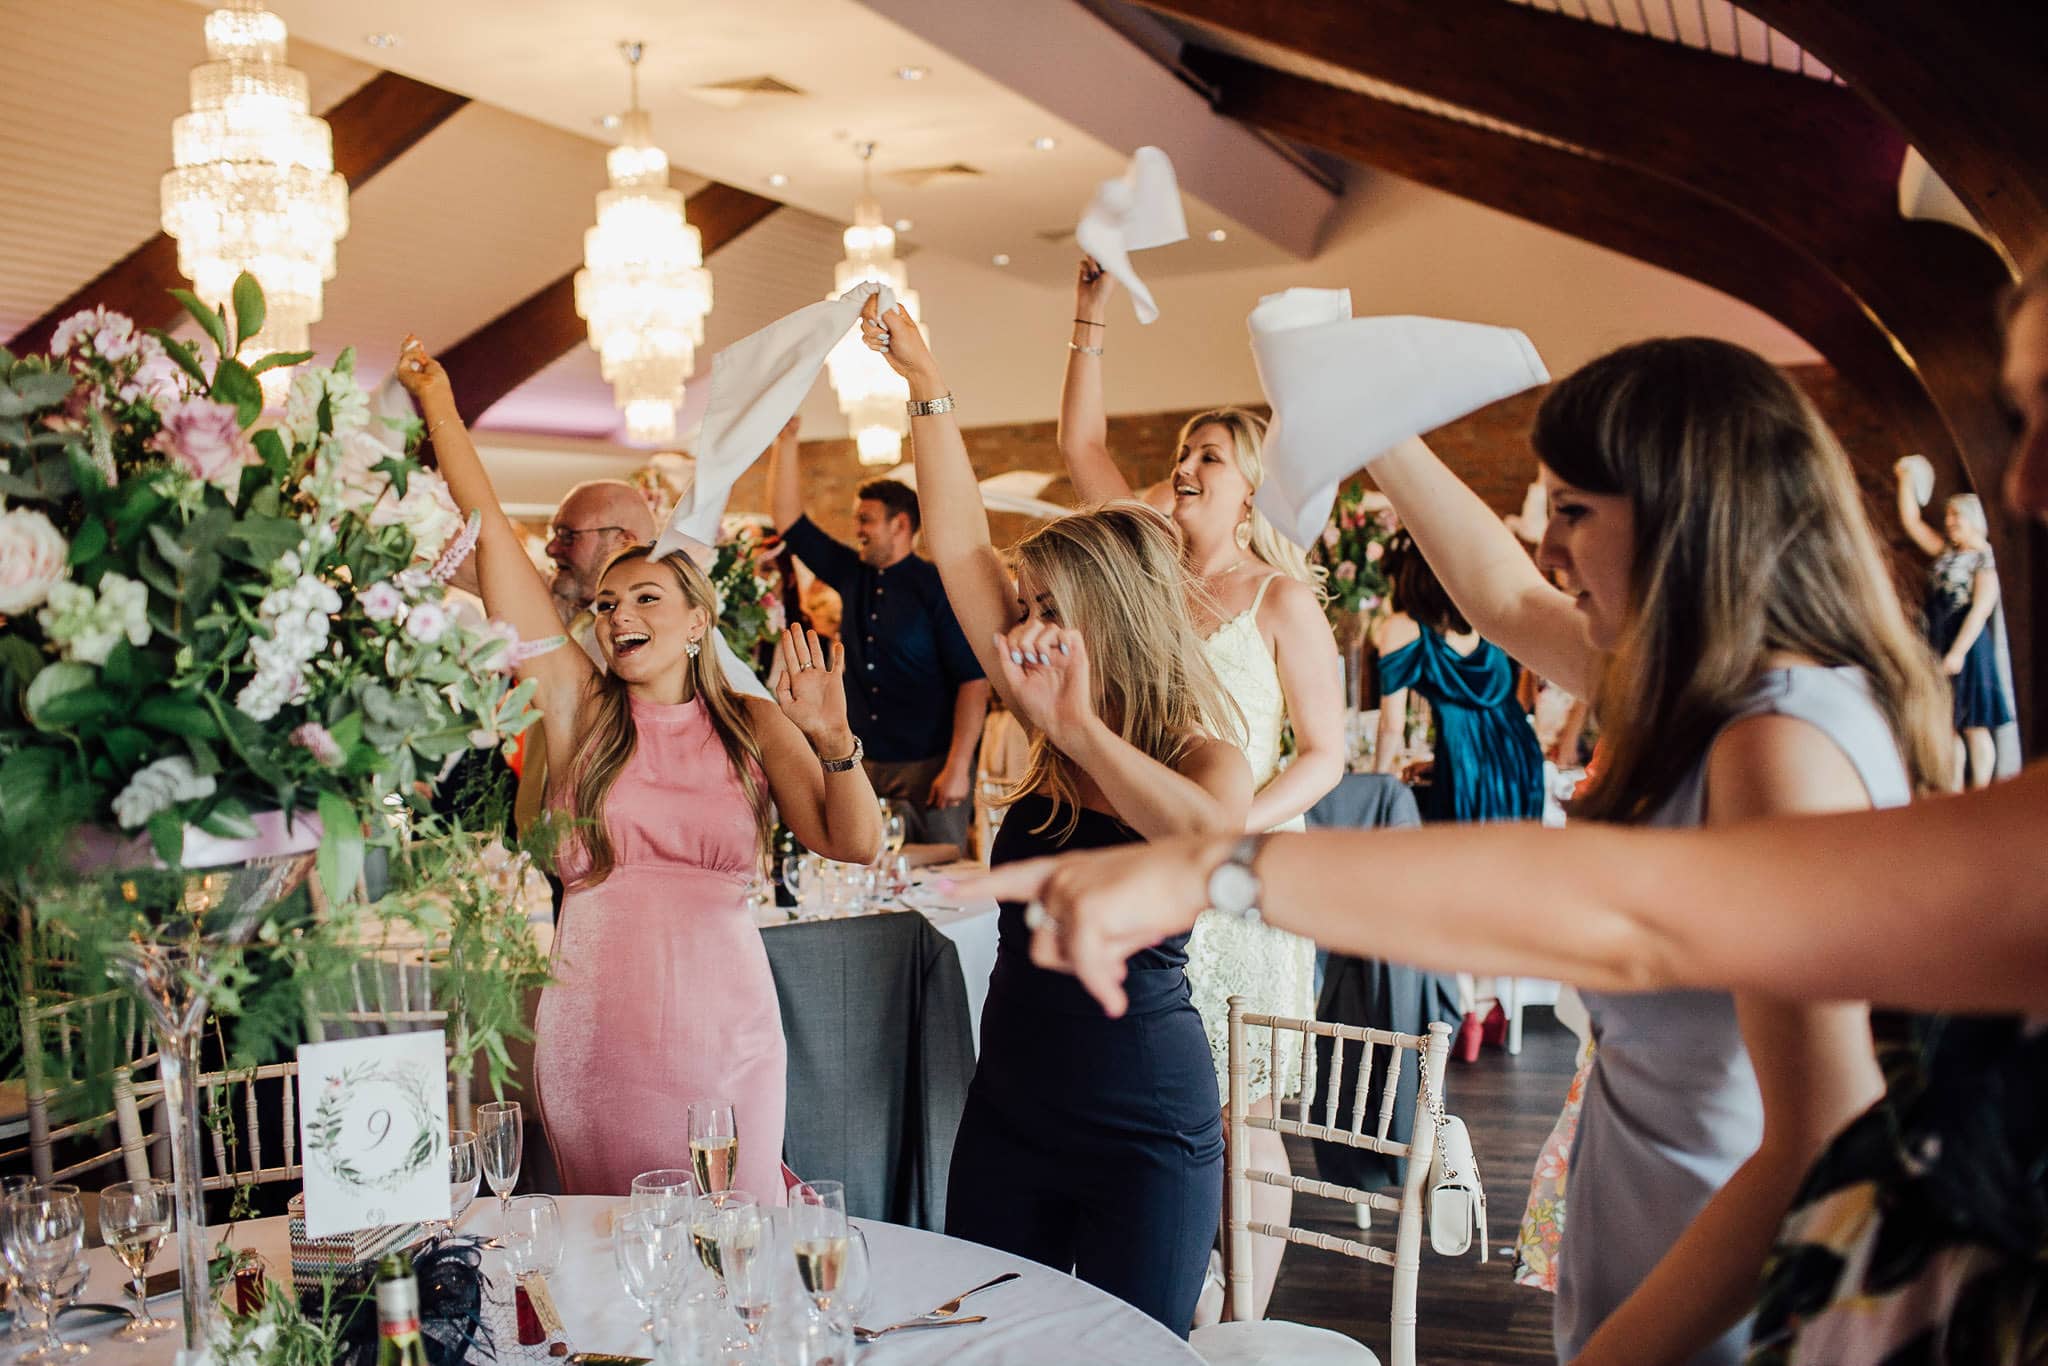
x: 202, y: 578
x: 178, y: 715
x: 234, y: 383
x: 55, y: 682
x: 89, y: 542
x: 207, y: 318
x: 249, y: 308
x: 31, y: 391
x: 175, y: 553
x: 340, y: 859
x: 277, y: 358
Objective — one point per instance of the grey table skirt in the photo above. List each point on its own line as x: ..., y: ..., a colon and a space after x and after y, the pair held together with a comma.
x: 874, y: 1009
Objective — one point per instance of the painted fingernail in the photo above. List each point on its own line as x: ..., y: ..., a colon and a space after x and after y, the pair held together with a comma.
x: 1063, y: 648
x: 1016, y: 656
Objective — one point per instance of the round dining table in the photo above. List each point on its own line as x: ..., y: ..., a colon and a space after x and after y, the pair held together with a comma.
x: 1042, y: 1316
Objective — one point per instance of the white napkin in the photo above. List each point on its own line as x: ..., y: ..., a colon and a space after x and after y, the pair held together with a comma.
x: 756, y: 383
x: 1138, y: 210
x: 1344, y: 390
x: 1921, y: 470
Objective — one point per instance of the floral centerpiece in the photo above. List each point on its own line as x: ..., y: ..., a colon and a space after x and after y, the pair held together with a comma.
x: 221, y: 637
x: 749, y: 588
x: 1351, y: 548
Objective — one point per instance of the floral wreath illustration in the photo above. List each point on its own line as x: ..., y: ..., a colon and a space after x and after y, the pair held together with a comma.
x: 324, y: 1128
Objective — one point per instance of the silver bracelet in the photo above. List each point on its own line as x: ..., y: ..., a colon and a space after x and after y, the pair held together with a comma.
x: 925, y: 407
x: 1084, y: 350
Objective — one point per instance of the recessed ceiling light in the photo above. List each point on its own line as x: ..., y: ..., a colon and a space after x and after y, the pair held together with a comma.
x: 1043, y: 144
x: 904, y: 225
x: 381, y: 39
x: 912, y: 73
x: 777, y: 180
x: 1001, y: 258
x: 606, y: 121
x: 1217, y: 234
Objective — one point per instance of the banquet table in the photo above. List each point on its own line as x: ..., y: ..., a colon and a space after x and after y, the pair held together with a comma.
x: 1042, y: 1316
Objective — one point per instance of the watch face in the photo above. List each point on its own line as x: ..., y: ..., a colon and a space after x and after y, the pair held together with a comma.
x: 1233, y: 888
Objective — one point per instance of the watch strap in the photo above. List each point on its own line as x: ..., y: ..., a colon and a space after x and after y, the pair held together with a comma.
x: 842, y: 765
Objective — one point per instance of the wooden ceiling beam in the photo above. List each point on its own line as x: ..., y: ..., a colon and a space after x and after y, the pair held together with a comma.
x: 372, y: 127
x: 1962, y: 80
x: 1611, y: 206
x: 543, y: 327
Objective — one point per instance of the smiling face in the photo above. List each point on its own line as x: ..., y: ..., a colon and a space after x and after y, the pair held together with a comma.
x: 883, y: 538
x: 645, y: 623
x: 1210, y: 492
x: 2026, y: 388
x: 1590, y: 540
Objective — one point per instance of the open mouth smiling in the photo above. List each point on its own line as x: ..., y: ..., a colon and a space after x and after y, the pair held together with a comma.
x: 627, y: 642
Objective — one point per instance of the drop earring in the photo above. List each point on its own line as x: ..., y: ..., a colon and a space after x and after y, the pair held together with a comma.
x: 1243, y: 534
x: 691, y: 649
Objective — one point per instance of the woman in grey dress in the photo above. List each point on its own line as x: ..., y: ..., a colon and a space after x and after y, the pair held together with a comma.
x: 1731, y: 614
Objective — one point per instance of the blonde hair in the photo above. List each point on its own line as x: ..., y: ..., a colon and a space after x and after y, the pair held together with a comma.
x: 1970, y: 508
x: 1750, y: 537
x: 1114, y: 574
x: 609, y: 740
x: 1247, y: 438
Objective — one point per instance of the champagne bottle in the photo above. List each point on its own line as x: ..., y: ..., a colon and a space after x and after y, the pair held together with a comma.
x: 398, y: 1314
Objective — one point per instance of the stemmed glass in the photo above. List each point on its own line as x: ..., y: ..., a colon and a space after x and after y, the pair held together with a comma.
x: 42, y: 1235
x: 714, y: 1143
x: 798, y: 873
x: 135, y: 1218
x: 533, y: 1235
x: 666, y: 1197
x: 501, y: 1140
x: 746, y: 1256
x: 464, y: 1172
x: 819, y: 1238
x: 651, y: 1273
x: 705, y: 1212
x: 17, y: 1331
x: 894, y: 829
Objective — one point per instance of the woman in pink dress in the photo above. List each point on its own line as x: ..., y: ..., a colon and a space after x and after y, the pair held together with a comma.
x: 662, y: 993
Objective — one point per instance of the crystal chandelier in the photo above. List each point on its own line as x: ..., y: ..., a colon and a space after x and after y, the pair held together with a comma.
x: 870, y: 393
x: 643, y: 287
x: 253, y: 185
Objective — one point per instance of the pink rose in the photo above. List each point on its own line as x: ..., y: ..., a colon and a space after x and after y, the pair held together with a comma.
x: 1373, y: 551
x: 1331, y: 536
x: 381, y: 602
x: 33, y: 559
x: 1346, y: 572
x: 206, y: 440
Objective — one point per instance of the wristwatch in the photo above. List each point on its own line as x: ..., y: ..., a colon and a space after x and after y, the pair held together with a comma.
x: 1234, y: 886
x: 925, y: 407
x: 841, y: 765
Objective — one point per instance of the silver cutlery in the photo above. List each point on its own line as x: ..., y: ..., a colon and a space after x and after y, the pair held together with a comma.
x: 908, y: 1325
x: 952, y: 1306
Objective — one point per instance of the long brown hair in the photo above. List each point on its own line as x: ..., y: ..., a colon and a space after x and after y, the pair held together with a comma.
x: 1750, y: 537
x: 1115, y: 575
x: 609, y: 739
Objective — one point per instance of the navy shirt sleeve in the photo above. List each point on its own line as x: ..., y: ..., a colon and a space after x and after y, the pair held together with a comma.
x: 837, y: 564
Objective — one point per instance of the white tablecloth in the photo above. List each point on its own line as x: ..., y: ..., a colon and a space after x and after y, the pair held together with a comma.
x: 1042, y: 1317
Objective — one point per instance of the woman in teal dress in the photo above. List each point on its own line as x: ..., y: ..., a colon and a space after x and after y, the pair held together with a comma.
x: 1488, y: 766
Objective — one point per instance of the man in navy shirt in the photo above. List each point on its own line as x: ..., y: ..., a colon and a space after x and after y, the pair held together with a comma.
x: 914, y: 693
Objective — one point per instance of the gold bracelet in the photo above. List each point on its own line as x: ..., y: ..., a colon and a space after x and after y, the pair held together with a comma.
x: 925, y: 407
x: 1084, y: 350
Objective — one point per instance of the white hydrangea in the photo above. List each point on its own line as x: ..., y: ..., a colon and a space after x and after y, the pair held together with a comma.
x: 297, y: 617
x: 87, y: 625
x: 161, y: 785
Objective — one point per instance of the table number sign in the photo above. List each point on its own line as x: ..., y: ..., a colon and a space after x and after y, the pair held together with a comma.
x: 373, y: 1124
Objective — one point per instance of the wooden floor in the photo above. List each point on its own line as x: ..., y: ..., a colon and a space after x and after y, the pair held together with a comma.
x: 1468, y: 1314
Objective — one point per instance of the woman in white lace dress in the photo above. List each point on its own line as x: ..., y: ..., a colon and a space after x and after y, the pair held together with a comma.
x: 1259, y: 608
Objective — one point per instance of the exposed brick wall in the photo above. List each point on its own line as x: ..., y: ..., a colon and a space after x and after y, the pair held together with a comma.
x: 1489, y: 450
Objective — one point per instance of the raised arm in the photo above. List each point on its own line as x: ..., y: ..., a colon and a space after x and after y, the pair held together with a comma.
x: 956, y: 532
x: 785, y: 476
x: 1916, y: 528
x: 512, y: 587
x: 833, y: 814
x: 1486, y: 571
x: 1084, y: 416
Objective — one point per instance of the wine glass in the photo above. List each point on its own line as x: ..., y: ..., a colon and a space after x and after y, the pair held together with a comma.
x: 42, y: 1236
x: 17, y: 1331
x: 651, y: 1274
x: 856, y: 1279
x: 501, y: 1140
x: 464, y: 1172
x: 899, y: 875
x: 533, y: 1235
x: 705, y: 1212
x: 664, y: 1193
x: 894, y: 830
x: 714, y: 1143
x: 135, y: 1218
x: 746, y: 1257
x: 819, y: 1238
x: 797, y: 872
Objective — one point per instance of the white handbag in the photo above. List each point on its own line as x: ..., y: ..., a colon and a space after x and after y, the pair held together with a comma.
x: 1456, y: 1201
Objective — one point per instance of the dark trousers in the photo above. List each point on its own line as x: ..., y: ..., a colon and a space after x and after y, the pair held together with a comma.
x: 908, y: 784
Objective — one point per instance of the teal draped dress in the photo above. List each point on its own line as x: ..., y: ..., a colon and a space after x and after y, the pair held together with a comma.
x: 1488, y: 764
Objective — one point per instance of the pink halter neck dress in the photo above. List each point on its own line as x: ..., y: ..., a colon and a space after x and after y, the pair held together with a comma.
x: 662, y: 993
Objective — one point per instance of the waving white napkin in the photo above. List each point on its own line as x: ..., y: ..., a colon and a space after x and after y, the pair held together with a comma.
x: 1344, y: 390
x: 1138, y: 210
x: 756, y: 383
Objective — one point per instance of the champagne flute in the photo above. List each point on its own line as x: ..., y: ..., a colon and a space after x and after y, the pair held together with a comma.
x: 746, y: 1257
x: 856, y: 1279
x: 818, y: 1237
x: 464, y: 1172
x: 501, y: 1140
x: 705, y: 1212
x: 135, y: 1219
x: 714, y: 1143
x: 42, y: 1236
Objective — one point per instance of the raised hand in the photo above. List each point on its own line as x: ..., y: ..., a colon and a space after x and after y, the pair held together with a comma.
x: 419, y: 372
x: 897, y: 338
x: 812, y: 688
x: 1092, y: 288
x: 1045, y: 675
